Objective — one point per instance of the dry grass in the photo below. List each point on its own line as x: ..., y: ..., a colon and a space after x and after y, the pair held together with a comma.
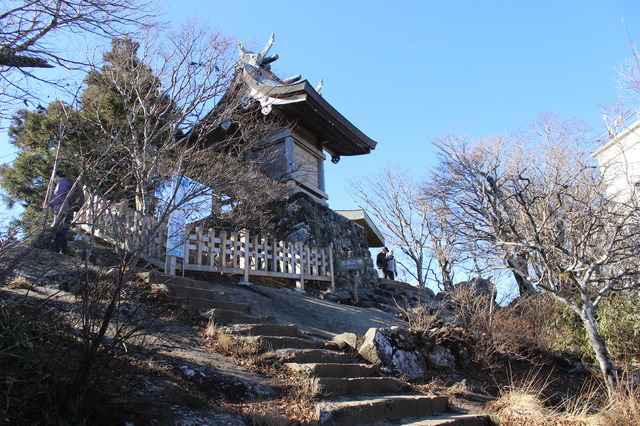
x: 21, y: 282
x: 259, y: 415
x: 226, y: 343
x: 521, y: 405
x: 306, y: 390
x: 624, y: 409
x: 459, y: 389
x: 293, y: 405
x: 524, y: 404
x: 211, y: 330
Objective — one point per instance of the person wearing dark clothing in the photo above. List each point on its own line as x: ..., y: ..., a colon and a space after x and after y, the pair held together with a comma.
x: 59, y: 195
x: 381, y: 261
x: 390, y: 270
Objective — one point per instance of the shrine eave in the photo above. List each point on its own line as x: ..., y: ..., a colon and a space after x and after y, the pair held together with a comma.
x: 301, y: 103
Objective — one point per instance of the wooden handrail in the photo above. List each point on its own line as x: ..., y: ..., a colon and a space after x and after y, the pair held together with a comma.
x: 206, y: 250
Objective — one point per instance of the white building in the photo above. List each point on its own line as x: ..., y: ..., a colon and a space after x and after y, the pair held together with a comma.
x: 619, y: 161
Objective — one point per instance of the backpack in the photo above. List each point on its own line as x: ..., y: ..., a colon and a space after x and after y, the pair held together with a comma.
x: 76, y: 200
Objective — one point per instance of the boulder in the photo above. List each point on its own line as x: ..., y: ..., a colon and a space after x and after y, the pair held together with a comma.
x: 395, y: 348
x: 348, y: 339
x: 442, y: 358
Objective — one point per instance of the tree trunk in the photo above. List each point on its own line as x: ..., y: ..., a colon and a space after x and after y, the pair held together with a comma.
x: 445, y: 272
x: 600, y: 348
x: 519, y: 266
x: 421, y: 282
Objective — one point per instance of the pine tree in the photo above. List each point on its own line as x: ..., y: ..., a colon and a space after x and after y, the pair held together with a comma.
x: 126, y: 111
x: 109, y: 137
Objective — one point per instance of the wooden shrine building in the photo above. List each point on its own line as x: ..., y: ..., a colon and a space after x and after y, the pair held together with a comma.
x: 314, y: 130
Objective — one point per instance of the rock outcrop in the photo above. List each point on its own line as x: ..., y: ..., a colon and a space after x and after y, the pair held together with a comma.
x: 303, y: 219
x: 395, y: 348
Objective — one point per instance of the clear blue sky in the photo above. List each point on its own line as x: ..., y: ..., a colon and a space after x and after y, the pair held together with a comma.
x: 406, y: 71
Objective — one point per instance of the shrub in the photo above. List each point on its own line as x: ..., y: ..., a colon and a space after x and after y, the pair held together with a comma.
x: 28, y: 362
x: 618, y: 321
x: 421, y: 318
x: 619, y: 324
x: 518, y: 330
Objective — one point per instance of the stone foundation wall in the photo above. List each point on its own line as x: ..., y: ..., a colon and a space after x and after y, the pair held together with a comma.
x: 306, y: 220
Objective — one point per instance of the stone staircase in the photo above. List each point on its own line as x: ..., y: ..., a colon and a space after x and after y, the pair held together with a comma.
x: 201, y: 296
x: 352, y: 392
x: 355, y: 393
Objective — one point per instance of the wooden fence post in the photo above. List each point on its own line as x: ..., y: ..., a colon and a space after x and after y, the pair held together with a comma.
x: 234, y: 250
x: 170, y: 265
x: 200, y: 236
x: 255, y: 259
x: 186, y: 249
x: 299, y: 248
x: 120, y: 232
x: 247, y: 259
x: 274, y: 255
x: 212, y: 248
x: 223, y: 250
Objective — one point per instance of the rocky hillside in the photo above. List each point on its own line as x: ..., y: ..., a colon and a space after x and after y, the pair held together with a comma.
x: 169, y: 358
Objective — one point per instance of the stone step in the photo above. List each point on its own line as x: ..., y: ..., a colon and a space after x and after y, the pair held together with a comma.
x: 363, y: 411
x: 311, y: 356
x: 282, y: 342
x: 198, y: 304
x: 264, y: 329
x: 451, y: 420
x: 155, y: 277
x: 335, y: 386
x: 184, y: 292
x: 225, y: 317
x: 334, y: 370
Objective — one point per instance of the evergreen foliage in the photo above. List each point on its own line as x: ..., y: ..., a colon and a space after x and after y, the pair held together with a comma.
x: 36, y: 135
x: 100, y: 130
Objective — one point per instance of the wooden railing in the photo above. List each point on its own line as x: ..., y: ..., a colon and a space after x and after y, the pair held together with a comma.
x: 205, y: 250
x: 250, y: 255
x: 126, y: 228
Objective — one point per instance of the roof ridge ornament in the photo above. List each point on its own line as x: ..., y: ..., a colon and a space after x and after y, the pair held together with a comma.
x: 258, y: 65
x: 267, y: 47
x: 258, y: 60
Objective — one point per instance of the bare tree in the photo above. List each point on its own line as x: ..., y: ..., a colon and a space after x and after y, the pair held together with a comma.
x: 628, y: 75
x: 469, y: 186
x: 163, y: 101
x: 395, y: 201
x: 540, y: 203
x: 31, y: 31
x: 142, y: 121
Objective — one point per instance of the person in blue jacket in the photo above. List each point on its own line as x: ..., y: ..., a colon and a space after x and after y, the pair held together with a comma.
x: 63, y: 186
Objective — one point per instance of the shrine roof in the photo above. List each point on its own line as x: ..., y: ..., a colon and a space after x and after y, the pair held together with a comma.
x: 374, y: 236
x: 301, y: 103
